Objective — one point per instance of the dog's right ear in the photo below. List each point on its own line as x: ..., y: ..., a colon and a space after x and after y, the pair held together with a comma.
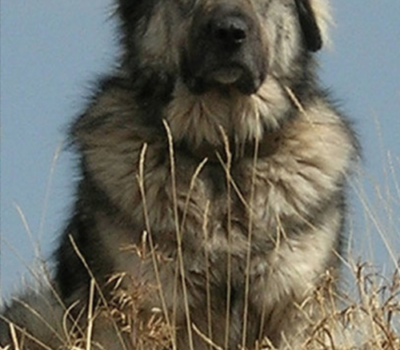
x: 309, y: 26
x: 131, y: 10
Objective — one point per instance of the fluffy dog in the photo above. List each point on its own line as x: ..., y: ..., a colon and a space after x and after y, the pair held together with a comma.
x: 211, y: 198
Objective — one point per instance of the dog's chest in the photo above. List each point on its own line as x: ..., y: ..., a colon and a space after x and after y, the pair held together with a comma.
x: 248, y: 223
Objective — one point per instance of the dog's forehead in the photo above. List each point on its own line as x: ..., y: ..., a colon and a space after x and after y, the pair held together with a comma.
x: 214, y: 2
x: 135, y: 9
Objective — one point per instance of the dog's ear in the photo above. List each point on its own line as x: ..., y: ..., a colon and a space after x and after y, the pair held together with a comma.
x: 309, y: 25
x: 131, y: 10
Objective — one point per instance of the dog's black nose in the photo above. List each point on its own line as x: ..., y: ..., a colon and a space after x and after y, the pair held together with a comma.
x: 229, y: 31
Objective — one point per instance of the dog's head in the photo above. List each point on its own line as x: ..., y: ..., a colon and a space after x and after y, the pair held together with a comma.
x: 213, y: 64
x: 215, y: 44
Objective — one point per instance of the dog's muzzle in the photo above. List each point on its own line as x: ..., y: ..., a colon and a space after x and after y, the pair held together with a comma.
x: 225, y: 50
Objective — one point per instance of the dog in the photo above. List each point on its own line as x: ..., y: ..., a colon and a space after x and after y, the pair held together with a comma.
x: 211, y: 198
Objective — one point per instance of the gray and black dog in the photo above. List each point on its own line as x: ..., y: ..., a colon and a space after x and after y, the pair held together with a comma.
x: 211, y: 199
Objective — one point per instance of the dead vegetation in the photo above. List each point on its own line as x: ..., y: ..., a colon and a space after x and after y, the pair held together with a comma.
x: 366, y: 318
x: 362, y: 314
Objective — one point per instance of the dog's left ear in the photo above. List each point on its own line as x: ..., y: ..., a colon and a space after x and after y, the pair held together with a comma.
x: 309, y: 25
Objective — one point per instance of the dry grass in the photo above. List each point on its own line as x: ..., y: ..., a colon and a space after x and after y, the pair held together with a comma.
x: 364, y: 314
x: 368, y: 321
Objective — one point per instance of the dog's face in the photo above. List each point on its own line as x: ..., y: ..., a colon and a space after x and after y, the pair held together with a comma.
x: 219, y: 44
x: 225, y: 47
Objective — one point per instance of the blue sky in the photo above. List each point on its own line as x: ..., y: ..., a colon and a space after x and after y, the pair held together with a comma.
x: 52, y: 50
